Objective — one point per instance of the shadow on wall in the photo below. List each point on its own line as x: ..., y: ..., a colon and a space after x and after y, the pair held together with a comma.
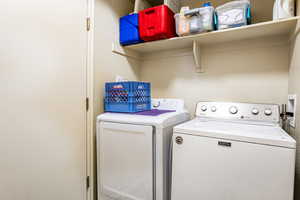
x: 297, y: 187
x: 117, y: 7
x: 294, y: 38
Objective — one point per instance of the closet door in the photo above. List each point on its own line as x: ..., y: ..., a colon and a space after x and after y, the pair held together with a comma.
x: 42, y: 107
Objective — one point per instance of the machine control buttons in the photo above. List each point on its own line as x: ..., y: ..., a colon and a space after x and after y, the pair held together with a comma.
x: 233, y: 110
x: 255, y: 111
x: 268, y: 112
x: 203, y: 108
x: 213, y: 109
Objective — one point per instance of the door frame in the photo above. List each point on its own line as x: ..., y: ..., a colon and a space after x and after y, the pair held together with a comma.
x: 90, y: 129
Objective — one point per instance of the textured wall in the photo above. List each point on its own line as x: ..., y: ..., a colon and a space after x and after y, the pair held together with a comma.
x: 252, y: 71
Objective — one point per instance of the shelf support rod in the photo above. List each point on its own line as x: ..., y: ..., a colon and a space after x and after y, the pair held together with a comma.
x: 117, y: 49
x: 197, y: 57
x: 295, y: 32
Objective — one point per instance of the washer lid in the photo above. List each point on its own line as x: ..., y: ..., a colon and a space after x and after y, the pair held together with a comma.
x: 161, y: 121
x: 253, y: 133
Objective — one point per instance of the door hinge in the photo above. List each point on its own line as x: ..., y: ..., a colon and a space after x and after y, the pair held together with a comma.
x: 88, y: 24
x: 87, y: 104
x: 87, y: 182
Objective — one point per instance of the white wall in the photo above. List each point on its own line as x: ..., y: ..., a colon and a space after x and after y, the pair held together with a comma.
x: 294, y: 88
x: 251, y: 71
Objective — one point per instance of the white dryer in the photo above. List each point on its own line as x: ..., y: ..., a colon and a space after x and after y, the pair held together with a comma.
x: 233, y: 151
x: 133, y: 152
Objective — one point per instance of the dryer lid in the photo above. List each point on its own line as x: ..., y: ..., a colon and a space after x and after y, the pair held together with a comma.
x: 163, y: 120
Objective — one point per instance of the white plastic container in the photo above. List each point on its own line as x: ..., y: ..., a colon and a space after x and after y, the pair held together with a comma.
x: 194, y: 21
x: 207, y: 16
x: 233, y: 14
x: 182, y: 23
x: 283, y: 9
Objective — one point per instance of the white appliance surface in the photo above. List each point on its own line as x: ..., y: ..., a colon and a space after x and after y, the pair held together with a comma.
x: 163, y: 120
x: 233, y: 151
x: 133, y: 152
x: 260, y: 134
x: 127, y: 166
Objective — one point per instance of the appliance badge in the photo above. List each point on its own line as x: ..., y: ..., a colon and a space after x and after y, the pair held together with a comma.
x: 225, y: 144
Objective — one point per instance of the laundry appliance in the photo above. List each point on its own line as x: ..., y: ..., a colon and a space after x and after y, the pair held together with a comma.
x: 233, y: 151
x: 134, y: 151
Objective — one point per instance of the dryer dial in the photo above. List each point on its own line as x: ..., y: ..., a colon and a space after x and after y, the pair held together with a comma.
x: 204, y: 108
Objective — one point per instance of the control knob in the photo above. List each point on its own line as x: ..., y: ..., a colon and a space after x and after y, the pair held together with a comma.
x: 255, y: 111
x: 233, y: 110
x: 213, y: 109
x: 268, y: 112
x: 203, y: 108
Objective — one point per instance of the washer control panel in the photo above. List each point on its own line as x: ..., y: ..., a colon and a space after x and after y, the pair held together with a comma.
x: 239, y: 111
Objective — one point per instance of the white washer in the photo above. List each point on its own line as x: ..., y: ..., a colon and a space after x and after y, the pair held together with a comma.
x: 133, y: 152
x: 233, y: 151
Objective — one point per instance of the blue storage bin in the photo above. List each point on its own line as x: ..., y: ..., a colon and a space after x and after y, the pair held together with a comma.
x: 129, y: 30
x: 127, y: 97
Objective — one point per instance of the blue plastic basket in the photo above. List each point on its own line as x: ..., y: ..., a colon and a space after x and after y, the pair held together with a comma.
x: 127, y: 97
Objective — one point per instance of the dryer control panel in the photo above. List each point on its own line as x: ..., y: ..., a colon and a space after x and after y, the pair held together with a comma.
x: 168, y: 104
x: 239, y: 111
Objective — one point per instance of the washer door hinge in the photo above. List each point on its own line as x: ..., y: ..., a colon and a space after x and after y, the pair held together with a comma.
x: 87, y: 104
x: 88, y: 24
